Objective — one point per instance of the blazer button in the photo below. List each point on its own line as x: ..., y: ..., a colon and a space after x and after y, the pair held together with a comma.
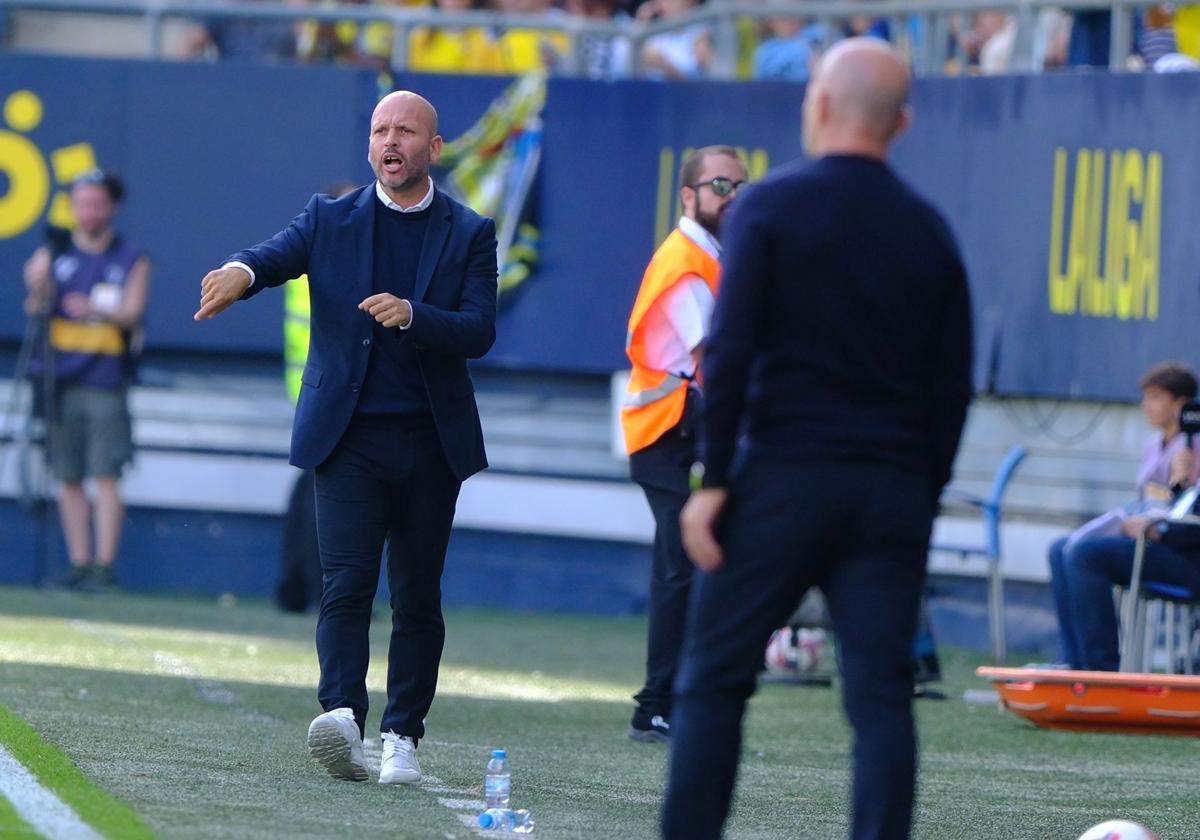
x: 366, y: 342
x: 354, y: 387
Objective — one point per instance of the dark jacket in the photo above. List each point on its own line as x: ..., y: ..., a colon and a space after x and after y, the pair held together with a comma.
x: 842, y: 332
x: 454, y: 316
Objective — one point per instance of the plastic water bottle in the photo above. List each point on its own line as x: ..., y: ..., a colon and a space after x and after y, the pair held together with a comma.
x: 502, y: 819
x: 497, y: 781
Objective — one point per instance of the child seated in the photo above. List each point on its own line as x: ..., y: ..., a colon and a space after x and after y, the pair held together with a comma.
x: 1087, y: 564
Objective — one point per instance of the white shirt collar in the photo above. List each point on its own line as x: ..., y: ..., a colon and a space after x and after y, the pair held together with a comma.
x: 695, y: 232
x: 391, y: 205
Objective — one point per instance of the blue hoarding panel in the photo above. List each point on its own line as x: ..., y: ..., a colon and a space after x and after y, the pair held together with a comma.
x: 1073, y: 197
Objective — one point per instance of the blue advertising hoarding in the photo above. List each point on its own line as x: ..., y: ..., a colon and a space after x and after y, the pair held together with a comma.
x: 1073, y: 196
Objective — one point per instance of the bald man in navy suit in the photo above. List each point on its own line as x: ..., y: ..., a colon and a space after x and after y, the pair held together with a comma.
x: 402, y: 281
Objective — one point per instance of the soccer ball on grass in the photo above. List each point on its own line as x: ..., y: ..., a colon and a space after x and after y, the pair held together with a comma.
x: 795, y: 650
x: 1118, y: 830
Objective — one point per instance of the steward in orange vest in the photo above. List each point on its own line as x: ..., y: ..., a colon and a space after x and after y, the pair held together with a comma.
x: 667, y: 330
x: 655, y: 401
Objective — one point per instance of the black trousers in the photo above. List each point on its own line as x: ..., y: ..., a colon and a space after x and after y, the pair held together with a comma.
x: 661, y: 470
x: 860, y: 533
x: 386, y: 482
x: 299, y: 585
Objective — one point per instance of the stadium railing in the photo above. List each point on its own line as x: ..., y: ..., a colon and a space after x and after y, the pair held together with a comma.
x: 928, y: 54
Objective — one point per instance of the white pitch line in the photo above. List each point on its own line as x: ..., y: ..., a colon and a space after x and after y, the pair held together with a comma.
x: 466, y: 810
x: 38, y: 806
x: 476, y: 805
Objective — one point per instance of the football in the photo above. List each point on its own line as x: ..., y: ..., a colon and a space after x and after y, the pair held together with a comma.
x: 795, y: 650
x: 1118, y: 830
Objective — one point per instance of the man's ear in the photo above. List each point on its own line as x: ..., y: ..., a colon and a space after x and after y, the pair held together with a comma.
x: 435, y: 148
x: 687, y: 197
x: 902, y: 122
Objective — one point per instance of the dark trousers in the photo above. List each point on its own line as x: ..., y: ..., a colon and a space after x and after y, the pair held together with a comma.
x: 1082, y: 580
x: 860, y: 533
x: 661, y: 470
x: 299, y: 585
x: 387, y: 480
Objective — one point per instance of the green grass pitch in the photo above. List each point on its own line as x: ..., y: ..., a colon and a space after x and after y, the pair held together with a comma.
x: 186, y: 719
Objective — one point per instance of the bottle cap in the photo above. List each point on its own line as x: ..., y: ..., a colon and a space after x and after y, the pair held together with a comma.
x: 499, y: 754
x: 486, y: 820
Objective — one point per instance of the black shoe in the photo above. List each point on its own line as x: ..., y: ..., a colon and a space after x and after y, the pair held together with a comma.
x: 921, y: 691
x: 649, y: 729
x: 102, y: 579
x: 76, y: 578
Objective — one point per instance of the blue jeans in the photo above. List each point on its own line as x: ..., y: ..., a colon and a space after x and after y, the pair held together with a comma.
x: 1068, y: 645
x: 1082, y: 580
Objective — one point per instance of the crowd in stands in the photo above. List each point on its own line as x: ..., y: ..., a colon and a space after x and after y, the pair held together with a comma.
x: 1164, y: 38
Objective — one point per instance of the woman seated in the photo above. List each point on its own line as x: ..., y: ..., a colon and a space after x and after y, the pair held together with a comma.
x: 1085, y: 566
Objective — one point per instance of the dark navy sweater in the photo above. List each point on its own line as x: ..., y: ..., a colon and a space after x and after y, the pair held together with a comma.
x: 393, y: 383
x: 842, y: 332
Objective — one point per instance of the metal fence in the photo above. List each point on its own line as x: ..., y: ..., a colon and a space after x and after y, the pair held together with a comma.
x: 929, y: 53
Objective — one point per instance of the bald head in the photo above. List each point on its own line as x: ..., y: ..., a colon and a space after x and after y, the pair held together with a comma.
x: 403, y: 143
x: 858, y: 96
x: 410, y: 104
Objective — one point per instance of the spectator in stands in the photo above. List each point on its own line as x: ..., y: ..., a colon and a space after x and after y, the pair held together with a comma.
x: 362, y: 44
x: 1051, y: 39
x: 447, y: 49
x: 789, y: 53
x: 991, y: 45
x: 603, y: 57
x: 987, y: 27
x: 1085, y: 566
x: 524, y: 50
x: 92, y: 287
x: 1157, y: 38
x: 240, y: 39
x: 684, y: 53
x: 865, y: 26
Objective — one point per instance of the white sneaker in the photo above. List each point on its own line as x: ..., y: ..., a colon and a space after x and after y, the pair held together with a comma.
x: 399, y: 764
x: 334, y: 741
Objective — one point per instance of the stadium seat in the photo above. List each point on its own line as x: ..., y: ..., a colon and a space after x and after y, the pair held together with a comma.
x: 1147, y: 603
x: 992, y: 511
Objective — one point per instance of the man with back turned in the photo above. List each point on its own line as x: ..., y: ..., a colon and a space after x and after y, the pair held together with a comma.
x: 837, y: 383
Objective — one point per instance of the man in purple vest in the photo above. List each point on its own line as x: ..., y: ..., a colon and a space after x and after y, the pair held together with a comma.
x: 92, y: 288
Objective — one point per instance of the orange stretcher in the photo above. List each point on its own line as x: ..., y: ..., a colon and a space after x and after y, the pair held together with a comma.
x: 1101, y: 701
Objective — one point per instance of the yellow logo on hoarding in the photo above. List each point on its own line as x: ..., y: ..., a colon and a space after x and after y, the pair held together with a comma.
x: 24, y: 166
x: 1108, y: 265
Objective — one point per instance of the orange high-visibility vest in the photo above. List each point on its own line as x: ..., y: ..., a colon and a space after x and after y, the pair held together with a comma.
x: 655, y: 399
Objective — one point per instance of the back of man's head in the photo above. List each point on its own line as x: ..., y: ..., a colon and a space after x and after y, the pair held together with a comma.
x: 858, y: 96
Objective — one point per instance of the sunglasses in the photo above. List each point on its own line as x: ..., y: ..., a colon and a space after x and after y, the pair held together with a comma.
x: 721, y: 187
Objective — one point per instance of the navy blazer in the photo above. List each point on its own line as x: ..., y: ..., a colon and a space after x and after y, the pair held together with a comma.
x: 454, y: 316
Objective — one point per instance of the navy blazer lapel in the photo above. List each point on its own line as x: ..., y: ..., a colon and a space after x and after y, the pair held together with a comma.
x: 435, y: 240
x: 362, y: 221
